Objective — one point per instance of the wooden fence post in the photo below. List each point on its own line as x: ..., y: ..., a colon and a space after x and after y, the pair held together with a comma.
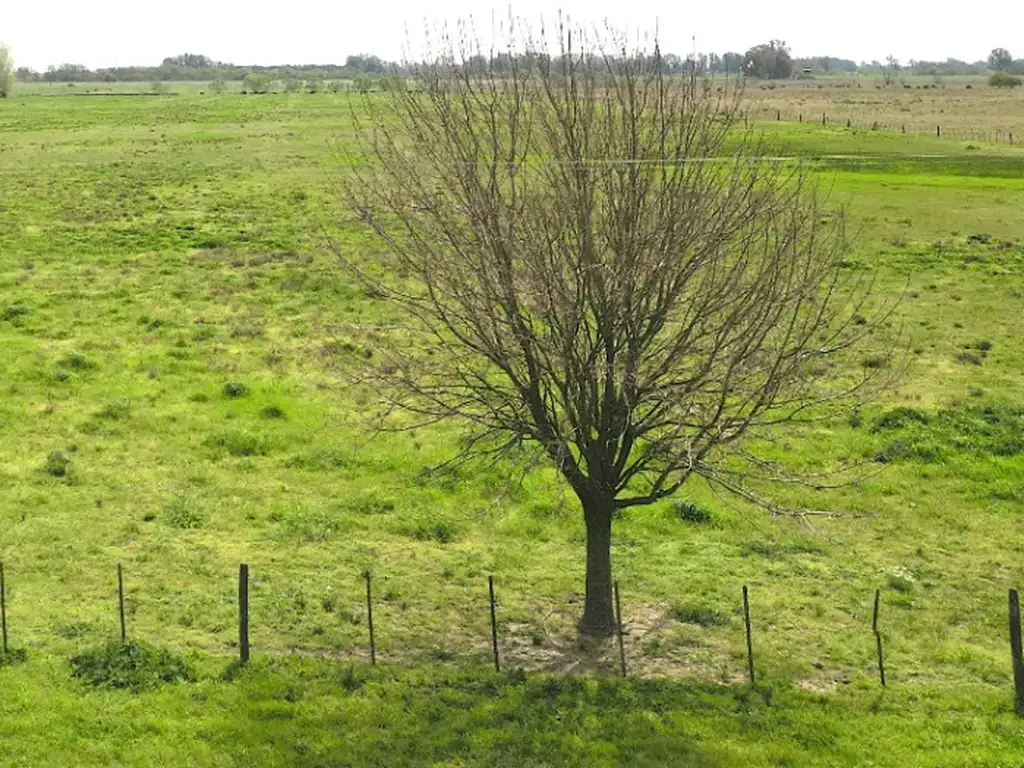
x: 369, y: 618
x: 750, y: 644
x: 120, y: 603
x: 618, y: 622
x: 243, y: 613
x: 1016, y: 654
x: 494, y: 624
x: 878, y: 639
x: 3, y: 609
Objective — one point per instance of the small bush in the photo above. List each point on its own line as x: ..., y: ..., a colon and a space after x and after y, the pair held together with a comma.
x: 239, y: 443
x: 689, y: 512
x: 896, y: 450
x: 898, y: 418
x: 58, y: 464
x: 235, y: 389
x: 255, y: 82
x: 350, y: 681
x: 1004, y: 80
x: 12, y: 657
x: 115, y: 411
x: 701, y: 615
x: 432, y: 527
x: 135, y: 666
x: 370, y: 503
x: 874, y: 362
x: 272, y: 412
x: 14, y: 312
x: 76, y: 362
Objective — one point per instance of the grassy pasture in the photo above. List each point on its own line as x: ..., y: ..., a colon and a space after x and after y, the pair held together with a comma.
x: 173, y: 332
x: 966, y: 107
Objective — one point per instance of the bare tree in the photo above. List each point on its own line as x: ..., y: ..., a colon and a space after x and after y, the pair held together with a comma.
x: 891, y: 69
x: 600, y: 265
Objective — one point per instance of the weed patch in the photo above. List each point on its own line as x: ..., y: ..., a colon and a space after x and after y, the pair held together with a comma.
x: 181, y: 513
x: 692, y: 513
x: 234, y: 389
x: 431, y: 526
x: 239, y: 442
x: 12, y: 657
x: 982, y: 430
x: 700, y: 615
x: 135, y: 666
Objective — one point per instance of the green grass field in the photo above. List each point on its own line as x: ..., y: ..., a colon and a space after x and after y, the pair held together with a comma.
x: 174, y: 336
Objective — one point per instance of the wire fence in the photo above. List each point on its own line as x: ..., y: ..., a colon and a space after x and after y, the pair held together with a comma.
x: 1006, y: 136
x: 9, y: 652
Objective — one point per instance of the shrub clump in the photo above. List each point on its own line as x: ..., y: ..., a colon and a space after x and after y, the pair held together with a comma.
x: 134, y: 666
x: 991, y: 429
x: 58, y: 464
x: 13, y: 313
x: 239, y: 443
x: 1004, y: 80
x: 700, y: 615
x: 12, y: 657
x: 898, y: 418
x: 76, y: 362
x: 689, y: 512
x: 235, y: 389
x: 431, y: 526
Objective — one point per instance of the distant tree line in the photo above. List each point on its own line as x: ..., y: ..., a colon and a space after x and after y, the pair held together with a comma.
x: 771, y: 60
x: 194, y: 67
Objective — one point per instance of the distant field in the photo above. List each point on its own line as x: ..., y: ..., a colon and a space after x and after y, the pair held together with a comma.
x: 173, y: 332
x: 964, y: 107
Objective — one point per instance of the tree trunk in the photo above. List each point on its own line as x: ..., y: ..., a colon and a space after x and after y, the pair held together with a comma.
x: 598, y: 613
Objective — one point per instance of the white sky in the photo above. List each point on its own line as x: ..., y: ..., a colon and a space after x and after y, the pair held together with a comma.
x: 122, y: 33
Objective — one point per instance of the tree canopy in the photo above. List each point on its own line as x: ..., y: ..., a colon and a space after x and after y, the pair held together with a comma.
x: 770, y: 61
x: 1000, y: 60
